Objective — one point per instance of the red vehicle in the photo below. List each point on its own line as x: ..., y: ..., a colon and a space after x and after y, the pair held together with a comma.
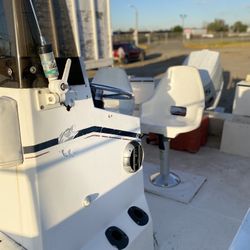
x: 126, y: 52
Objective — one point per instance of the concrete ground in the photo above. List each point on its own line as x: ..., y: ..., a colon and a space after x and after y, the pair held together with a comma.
x: 212, y: 218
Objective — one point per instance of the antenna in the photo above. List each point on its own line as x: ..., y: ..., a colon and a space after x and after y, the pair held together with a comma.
x: 58, y: 87
x: 45, y: 52
x: 42, y: 39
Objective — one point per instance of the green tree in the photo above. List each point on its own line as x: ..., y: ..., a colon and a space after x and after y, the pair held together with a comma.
x: 177, y: 29
x: 239, y: 27
x: 218, y: 25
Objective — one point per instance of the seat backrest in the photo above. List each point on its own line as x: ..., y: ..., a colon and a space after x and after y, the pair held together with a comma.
x: 113, y: 77
x: 117, y: 78
x: 180, y: 87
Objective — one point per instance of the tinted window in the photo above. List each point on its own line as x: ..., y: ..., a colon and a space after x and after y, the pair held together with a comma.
x: 125, y: 46
x: 115, y: 47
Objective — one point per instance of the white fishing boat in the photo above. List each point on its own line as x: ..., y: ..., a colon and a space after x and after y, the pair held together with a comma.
x: 72, y: 175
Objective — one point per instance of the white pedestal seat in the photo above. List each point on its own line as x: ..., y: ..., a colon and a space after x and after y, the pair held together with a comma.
x: 176, y: 107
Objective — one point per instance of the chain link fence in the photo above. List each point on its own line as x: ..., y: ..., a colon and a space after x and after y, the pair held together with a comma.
x: 159, y: 37
x: 147, y: 38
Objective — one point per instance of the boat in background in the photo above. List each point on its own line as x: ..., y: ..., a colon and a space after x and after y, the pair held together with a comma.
x: 211, y: 73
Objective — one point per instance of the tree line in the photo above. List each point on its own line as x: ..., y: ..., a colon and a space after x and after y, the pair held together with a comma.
x: 218, y: 25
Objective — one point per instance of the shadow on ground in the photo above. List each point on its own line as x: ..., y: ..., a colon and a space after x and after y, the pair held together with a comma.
x: 155, y: 69
x: 148, y: 57
x: 152, y: 56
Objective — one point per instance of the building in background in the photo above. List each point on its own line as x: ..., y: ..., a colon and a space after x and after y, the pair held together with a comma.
x: 91, y: 25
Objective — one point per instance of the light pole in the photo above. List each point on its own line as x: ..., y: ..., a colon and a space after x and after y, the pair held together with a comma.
x: 183, y: 17
x: 136, y: 25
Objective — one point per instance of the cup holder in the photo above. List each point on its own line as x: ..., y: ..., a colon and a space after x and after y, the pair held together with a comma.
x: 138, y: 216
x: 117, y: 237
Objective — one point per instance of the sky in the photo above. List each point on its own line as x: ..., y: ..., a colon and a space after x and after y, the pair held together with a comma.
x: 164, y: 14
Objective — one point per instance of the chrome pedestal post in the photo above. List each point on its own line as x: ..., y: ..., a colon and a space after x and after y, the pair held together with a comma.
x: 164, y: 178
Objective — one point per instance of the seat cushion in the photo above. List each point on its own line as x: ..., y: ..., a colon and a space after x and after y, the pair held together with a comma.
x: 169, y: 126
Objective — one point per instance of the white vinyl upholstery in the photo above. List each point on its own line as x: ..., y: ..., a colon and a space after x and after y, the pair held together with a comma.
x: 181, y: 86
x: 117, y: 78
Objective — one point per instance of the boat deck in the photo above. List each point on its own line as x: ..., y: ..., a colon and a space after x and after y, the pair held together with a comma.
x: 211, y: 220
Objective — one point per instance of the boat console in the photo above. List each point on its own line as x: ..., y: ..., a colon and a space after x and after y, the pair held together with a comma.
x: 70, y: 173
